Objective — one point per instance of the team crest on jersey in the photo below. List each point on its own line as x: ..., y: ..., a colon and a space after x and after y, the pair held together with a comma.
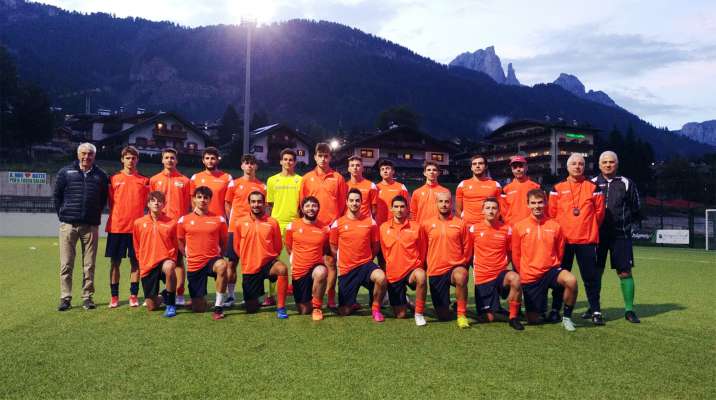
x: 345, y: 227
x: 191, y: 222
x: 527, y: 231
x: 203, y: 180
x: 470, y: 187
x: 144, y: 225
x: 482, y: 234
x: 300, y: 230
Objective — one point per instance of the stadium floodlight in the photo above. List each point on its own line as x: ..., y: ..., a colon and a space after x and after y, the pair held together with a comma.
x: 709, y: 228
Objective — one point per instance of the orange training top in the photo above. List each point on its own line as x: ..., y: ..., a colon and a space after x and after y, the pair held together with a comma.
x: 330, y: 189
x: 514, y: 200
x: 473, y: 192
x: 385, y: 197
x: 127, y: 199
x: 218, y: 182
x: 448, y: 244
x: 491, y: 248
x: 354, y: 239
x: 154, y: 241
x: 403, y: 246
x: 256, y: 241
x: 237, y: 194
x: 537, y: 246
x: 175, y: 187
x: 204, y: 236
x: 368, y: 198
x: 584, y: 196
x: 307, y: 244
x: 423, y: 203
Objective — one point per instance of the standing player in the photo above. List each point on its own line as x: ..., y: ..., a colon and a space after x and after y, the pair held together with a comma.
x: 175, y: 188
x: 537, y: 247
x: 282, y: 192
x: 127, y: 198
x: 578, y: 206
x: 368, y: 189
x: 448, y: 252
x: 423, y: 200
x: 155, y: 241
x: 237, y: 206
x: 306, y: 244
x: 470, y: 193
x: 329, y: 187
x: 622, y: 210
x: 388, y: 188
x: 354, y: 241
x: 202, y: 238
x: 257, y: 241
x: 403, y: 246
x: 213, y: 178
x: 514, y: 194
x: 491, y: 247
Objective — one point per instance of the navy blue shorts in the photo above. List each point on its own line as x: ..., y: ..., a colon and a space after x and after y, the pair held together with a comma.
x: 253, y: 284
x: 535, y: 293
x: 398, y: 290
x: 230, y: 253
x: 440, y: 288
x: 303, y: 287
x: 197, y: 280
x: 621, y: 254
x: 350, y: 283
x: 488, y: 294
x: 150, y: 283
x: 586, y: 257
x: 119, y: 245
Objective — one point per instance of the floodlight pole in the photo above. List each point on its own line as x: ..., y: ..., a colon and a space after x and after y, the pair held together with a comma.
x: 247, y: 85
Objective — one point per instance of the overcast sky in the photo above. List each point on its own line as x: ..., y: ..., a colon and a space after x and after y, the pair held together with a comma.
x: 655, y: 58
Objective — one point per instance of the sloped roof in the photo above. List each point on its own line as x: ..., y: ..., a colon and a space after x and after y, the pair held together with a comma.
x: 151, y: 121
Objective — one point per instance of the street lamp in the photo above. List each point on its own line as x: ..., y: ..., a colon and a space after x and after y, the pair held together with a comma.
x: 250, y: 23
x: 334, y: 143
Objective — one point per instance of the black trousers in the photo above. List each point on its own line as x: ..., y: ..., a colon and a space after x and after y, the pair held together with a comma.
x: 589, y: 269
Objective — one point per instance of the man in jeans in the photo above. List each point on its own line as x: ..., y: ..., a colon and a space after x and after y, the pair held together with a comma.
x: 80, y: 196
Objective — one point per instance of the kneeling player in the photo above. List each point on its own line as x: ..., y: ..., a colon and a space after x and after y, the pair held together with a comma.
x: 354, y: 241
x: 257, y: 241
x: 202, y: 237
x: 306, y: 244
x: 448, y: 252
x: 491, y: 240
x: 537, y: 248
x: 154, y: 237
x: 403, y: 246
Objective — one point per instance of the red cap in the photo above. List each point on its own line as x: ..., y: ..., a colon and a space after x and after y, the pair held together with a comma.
x: 518, y: 159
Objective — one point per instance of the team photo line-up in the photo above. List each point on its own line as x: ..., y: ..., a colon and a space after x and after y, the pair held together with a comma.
x: 520, y: 241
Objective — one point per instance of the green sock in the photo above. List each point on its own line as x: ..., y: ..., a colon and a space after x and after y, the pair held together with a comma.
x: 627, y: 285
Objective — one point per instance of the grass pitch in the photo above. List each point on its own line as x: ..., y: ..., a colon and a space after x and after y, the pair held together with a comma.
x: 128, y: 353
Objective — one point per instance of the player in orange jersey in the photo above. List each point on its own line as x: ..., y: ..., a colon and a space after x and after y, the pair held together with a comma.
x: 237, y: 206
x: 127, y: 198
x: 577, y: 204
x: 175, y: 187
x: 155, y: 241
x: 368, y: 189
x: 403, y: 245
x: 213, y: 178
x: 329, y: 187
x: 491, y: 248
x: 537, y: 248
x: 388, y: 188
x: 202, y: 237
x: 448, y: 252
x: 355, y: 240
x: 423, y: 199
x: 257, y: 240
x: 306, y: 244
x: 470, y: 193
x: 514, y: 195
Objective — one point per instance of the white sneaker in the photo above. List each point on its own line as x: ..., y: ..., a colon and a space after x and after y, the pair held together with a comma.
x: 420, y: 320
x: 179, y: 300
x: 144, y: 304
x: 568, y: 324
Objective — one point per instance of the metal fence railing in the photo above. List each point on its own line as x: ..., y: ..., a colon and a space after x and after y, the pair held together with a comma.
x: 27, y: 204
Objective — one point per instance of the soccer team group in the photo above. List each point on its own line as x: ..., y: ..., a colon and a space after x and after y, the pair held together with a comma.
x: 519, y: 241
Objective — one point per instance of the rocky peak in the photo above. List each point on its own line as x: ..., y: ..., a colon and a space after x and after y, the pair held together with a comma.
x: 511, y: 76
x: 571, y: 84
x: 704, y: 132
x: 482, y: 60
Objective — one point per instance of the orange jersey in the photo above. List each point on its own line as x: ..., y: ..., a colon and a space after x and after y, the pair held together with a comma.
x: 514, y: 200
x: 307, y: 244
x: 127, y: 199
x: 586, y: 197
x: 237, y: 194
x: 154, y: 241
x: 256, y: 241
x: 175, y: 187
x: 537, y: 246
x: 204, y: 236
x: 402, y: 246
x: 330, y: 189
x: 355, y: 239
x: 491, y: 248
x: 368, y: 196
x: 472, y: 193
x: 385, y: 197
x: 423, y: 203
x: 218, y: 182
x: 448, y: 244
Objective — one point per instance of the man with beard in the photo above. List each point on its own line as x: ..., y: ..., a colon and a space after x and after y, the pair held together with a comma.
x: 470, y: 193
x: 213, y: 178
x: 423, y: 199
x: 514, y: 195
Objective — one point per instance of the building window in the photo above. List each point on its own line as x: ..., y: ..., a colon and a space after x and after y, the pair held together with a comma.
x: 300, y: 152
x: 366, y: 153
x: 437, y: 157
x: 191, y: 145
x: 407, y: 156
x: 257, y: 149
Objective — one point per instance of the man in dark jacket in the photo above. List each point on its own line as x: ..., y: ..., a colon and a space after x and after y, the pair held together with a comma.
x: 622, y: 211
x: 80, y: 196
